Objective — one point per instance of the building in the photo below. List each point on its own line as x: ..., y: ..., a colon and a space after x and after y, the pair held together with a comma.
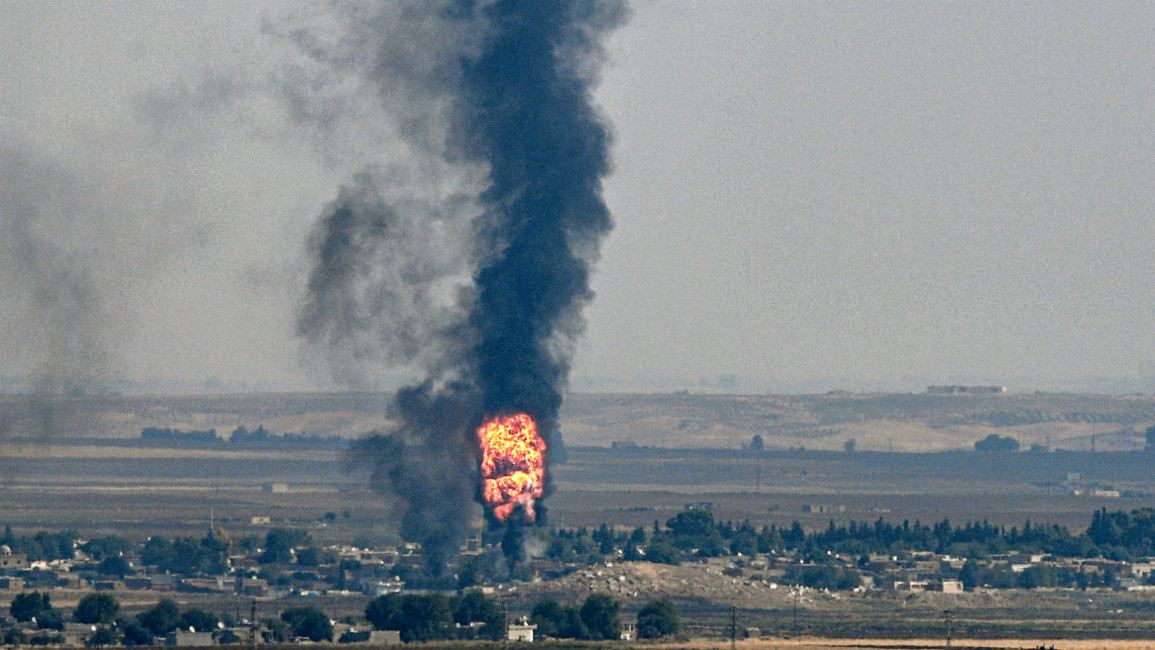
x: 822, y: 508
x: 521, y: 631
x: 137, y: 582
x: 966, y: 390
x: 256, y: 587
x: 373, y: 637
x: 952, y: 586
x: 383, y: 587
x: 189, y: 639
x: 9, y: 561
x: 1142, y: 569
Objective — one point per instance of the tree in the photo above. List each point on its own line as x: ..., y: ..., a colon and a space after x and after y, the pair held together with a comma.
x: 136, y: 634
x: 692, y: 525
x: 417, y: 617
x: 470, y: 573
x: 756, y: 443
x: 279, y: 545
x: 161, y: 619
x: 105, y: 547
x: 969, y: 575
x: 384, y: 611
x: 425, y: 617
x: 657, y: 619
x: 50, y: 619
x: 605, y: 539
x: 850, y: 445
x: 199, y: 620
x: 213, y: 554
x: 27, y: 606
x: 157, y: 551
x: 556, y: 620
x: 662, y: 553
x: 115, y: 565
x: 695, y: 529
x: 309, y: 622
x: 96, y: 609
x: 475, y: 607
x: 276, y: 629
x: 309, y: 556
x: 103, y: 636
x: 995, y: 442
x: 744, y: 542
x: 634, y: 545
x: 601, y: 616
x: 547, y: 616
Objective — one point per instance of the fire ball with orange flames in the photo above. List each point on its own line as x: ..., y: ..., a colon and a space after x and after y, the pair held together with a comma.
x: 512, y: 465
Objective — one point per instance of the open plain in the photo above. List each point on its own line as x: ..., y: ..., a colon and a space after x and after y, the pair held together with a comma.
x: 633, y: 461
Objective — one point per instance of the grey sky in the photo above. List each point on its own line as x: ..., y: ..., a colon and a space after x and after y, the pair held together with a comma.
x: 807, y: 196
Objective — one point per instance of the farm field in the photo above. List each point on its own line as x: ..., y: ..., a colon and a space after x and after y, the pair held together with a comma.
x: 138, y: 491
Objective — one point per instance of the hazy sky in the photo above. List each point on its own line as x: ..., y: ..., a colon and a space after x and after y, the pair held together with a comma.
x: 807, y: 195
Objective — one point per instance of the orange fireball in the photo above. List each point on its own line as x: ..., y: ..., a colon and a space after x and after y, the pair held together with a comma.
x: 512, y: 465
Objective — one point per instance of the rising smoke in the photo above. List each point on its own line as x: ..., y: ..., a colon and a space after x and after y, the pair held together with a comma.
x: 61, y: 309
x: 472, y: 266
x: 54, y: 308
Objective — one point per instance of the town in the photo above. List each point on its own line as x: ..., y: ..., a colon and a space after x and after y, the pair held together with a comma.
x: 395, y: 594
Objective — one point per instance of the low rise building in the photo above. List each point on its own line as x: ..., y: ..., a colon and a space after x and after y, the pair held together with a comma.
x: 952, y: 586
x: 189, y: 639
x: 521, y: 631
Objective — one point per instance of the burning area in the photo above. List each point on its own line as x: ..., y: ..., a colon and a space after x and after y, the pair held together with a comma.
x: 512, y: 465
x: 471, y: 268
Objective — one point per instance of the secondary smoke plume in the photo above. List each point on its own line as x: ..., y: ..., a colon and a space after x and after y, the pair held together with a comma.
x: 56, y: 312
x: 474, y: 266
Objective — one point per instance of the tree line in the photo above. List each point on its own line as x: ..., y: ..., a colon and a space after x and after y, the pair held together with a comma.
x: 102, y: 611
x: 430, y: 617
x: 694, y: 533
x: 240, y: 436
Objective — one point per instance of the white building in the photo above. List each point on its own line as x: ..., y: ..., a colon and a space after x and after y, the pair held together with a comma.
x: 521, y: 631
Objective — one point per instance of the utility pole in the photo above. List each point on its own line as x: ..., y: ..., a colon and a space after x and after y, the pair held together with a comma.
x: 733, y: 627
x: 505, y: 617
x: 948, y: 613
x: 253, y: 625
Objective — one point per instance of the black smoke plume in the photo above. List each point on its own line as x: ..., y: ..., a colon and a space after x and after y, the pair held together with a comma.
x: 479, y: 287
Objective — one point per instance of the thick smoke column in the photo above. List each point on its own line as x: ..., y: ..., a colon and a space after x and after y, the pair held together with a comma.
x: 515, y: 96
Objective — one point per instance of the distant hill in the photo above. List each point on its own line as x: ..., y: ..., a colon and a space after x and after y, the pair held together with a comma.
x: 876, y: 422
x: 922, y: 422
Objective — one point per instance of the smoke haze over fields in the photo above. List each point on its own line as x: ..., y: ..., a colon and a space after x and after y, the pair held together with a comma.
x: 807, y: 197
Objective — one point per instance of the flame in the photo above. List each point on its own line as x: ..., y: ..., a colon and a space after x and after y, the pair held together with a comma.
x: 512, y: 465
